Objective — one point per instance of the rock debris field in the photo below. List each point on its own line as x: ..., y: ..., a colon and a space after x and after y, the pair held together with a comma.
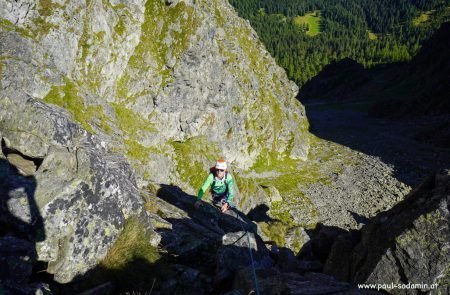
x: 388, y: 157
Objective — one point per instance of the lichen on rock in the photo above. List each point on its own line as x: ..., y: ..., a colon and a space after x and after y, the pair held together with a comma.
x: 82, y: 193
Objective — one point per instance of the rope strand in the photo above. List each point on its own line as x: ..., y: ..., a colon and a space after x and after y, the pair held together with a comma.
x: 251, y: 258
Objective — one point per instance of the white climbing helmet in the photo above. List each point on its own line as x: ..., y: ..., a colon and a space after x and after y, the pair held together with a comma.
x: 221, y: 164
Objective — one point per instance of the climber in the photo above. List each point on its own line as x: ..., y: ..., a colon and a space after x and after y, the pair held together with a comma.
x: 221, y: 184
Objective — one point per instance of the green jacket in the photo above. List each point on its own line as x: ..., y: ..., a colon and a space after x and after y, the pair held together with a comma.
x: 218, y: 186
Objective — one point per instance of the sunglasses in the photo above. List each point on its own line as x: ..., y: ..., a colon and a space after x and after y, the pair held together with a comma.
x: 220, y: 170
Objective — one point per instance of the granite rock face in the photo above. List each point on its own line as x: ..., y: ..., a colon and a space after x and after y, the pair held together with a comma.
x: 74, y: 205
x: 408, y: 244
x: 163, y: 82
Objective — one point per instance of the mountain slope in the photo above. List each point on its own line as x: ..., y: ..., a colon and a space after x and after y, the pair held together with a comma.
x: 305, y: 36
x: 417, y: 87
x: 167, y: 86
x: 173, y: 85
x: 422, y: 85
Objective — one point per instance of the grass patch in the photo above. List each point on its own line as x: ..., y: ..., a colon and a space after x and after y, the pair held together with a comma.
x: 45, y: 8
x: 130, y: 122
x: 67, y: 97
x: 372, y: 35
x: 132, y: 126
x: 422, y: 18
x: 194, y: 157
x: 428, y: 17
x: 309, y: 21
x: 275, y: 231
x: 137, y: 151
x: 120, y: 27
x: 161, y: 23
x: 291, y: 172
x: 288, y: 175
x: 131, y: 244
x: 41, y: 26
x: 132, y: 263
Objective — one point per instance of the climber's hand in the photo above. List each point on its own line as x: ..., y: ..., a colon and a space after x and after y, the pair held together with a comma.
x: 224, y: 207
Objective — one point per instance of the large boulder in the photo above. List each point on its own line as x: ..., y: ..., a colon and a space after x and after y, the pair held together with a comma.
x: 74, y: 205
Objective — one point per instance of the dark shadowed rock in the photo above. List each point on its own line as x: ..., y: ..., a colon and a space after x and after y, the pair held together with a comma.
x: 338, y: 263
x: 319, y: 246
x: 16, y: 259
x: 272, y: 281
x: 240, y: 249
x: 409, y: 244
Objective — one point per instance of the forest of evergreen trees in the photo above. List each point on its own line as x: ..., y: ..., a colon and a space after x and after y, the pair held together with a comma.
x: 344, y: 27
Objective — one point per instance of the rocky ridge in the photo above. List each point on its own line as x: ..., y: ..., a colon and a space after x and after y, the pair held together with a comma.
x: 213, y: 251
x: 147, y: 76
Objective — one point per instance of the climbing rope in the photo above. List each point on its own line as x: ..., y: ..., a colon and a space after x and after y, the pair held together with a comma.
x: 255, y: 280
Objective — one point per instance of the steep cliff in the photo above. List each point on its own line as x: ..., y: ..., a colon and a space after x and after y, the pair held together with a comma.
x: 167, y: 86
x: 170, y: 84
